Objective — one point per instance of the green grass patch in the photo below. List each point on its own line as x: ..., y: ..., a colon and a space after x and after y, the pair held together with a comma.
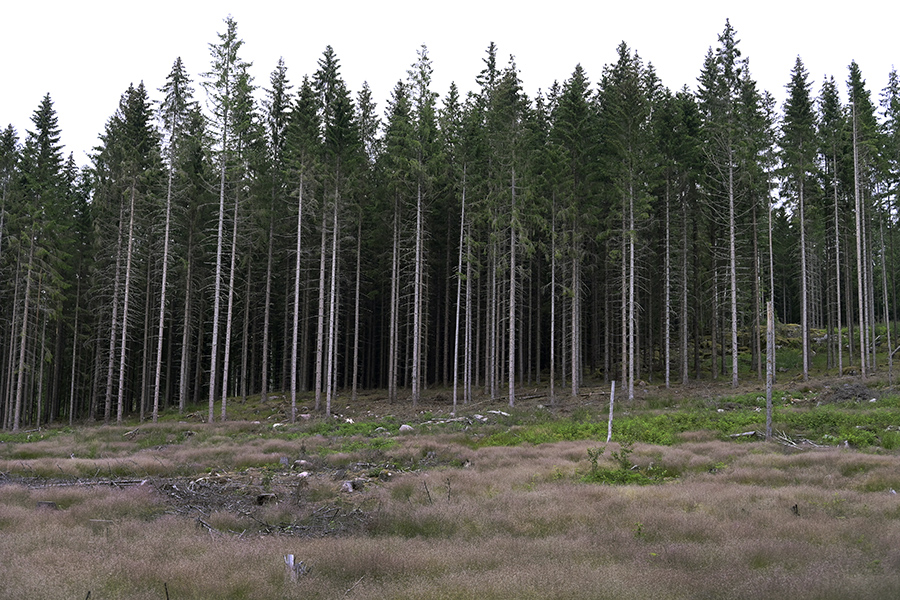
x: 625, y: 472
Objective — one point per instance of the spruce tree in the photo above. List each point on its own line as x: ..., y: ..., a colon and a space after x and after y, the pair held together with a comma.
x: 832, y: 129
x: 798, y: 150
x: 574, y: 133
x: 863, y: 129
x: 278, y: 113
x: 302, y: 154
x: 39, y: 222
x: 626, y: 108
x: 221, y: 84
x: 173, y: 112
x: 721, y: 81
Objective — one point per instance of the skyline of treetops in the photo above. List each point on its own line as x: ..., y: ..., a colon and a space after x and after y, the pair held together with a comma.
x: 297, y: 238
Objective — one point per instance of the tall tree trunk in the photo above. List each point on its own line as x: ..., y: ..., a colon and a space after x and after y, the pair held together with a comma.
x: 185, y: 366
x: 356, y: 309
x: 553, y: 304
x: 631, y: 301
x: 245, y: 333
x: 512, y: 295
x: 757, y: 307
x: 110, y: 367
x: 74, y: 378
x: 684, y: 292
x: 417, y: 301
x: 296, y: 320
x: 162, y: 289
x: 267, y: 309
x: 770, y: 357
x: 23, y: 339
x: 468, y: 352
x: 576, y: 325
x: 217, y: 287
x: 884, y: 300
x: 120, y: 407
x: 332, y: 313
x: 145, y: 351
x: 459, y: 280
x: 226, y: 354
x: 804, y: 293
x: 394, y: 305
x: 624, y: 294
x: 860, y: 273
x: 733, y: 273
x: 320, y: 323
x: 667, y: 302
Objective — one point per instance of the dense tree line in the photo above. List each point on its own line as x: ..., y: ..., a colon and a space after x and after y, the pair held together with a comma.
x: 311, y: 244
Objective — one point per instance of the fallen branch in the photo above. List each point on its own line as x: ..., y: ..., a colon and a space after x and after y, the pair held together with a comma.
x: 350, y: 589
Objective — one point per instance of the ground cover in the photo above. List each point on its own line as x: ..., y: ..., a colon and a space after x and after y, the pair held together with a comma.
x: 686, y: 501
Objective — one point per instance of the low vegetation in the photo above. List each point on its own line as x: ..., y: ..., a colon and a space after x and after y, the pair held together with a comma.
x: 686, y: 501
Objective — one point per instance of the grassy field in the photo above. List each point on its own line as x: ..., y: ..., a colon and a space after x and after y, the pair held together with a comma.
x: 488, y: 503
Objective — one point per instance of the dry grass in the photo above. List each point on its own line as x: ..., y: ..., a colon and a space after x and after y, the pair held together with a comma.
x: 176, y: 506
x: 511, y: 523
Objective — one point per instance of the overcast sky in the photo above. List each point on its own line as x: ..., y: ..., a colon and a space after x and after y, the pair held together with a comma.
x: 86, y: 53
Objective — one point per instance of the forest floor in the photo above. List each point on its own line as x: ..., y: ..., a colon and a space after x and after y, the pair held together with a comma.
x: 392, y: 500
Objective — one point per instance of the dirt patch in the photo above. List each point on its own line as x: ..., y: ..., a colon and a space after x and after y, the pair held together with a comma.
x: 848, y: 392
x: 287, y: 502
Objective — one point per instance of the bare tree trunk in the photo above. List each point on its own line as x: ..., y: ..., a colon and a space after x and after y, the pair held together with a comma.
x: 459, y: 280
x: 886, y: 312
x: 869, y: 264
x: 467, y: 353
x: 165, y: 272
x: 267, y: 311
x: 145, y: 350
x: 512, y: 296
x: 631, y: 301
x: 296, y: 320
x: 624, y: 299
x: 94, y: 402
x: 74, y: 377
x: 217, y: 288
x: 355, y: 383
x: 757, y: 308
x: 120, y: 407
x: 110, y: 367
x: 553, y: 306
x: 332, y: 313
x: 771, y: 358
x: 860, y: 276
x: 226, y: 358
x: 23, y: 341
x: 417, y: 301
x: 733, y: 274
x: 770, y: 364
x: 714, y: 335
x: 305, y: 340
x: 804, y: 292
x: 41, y: 361
x: 245, y: 333
x: 185, y: 367
x: 320, y: 324
x: 667, y: 303
x: 684, y: 293
x: 576, y: 326
x: 395, y: 307
x: 490, y: 329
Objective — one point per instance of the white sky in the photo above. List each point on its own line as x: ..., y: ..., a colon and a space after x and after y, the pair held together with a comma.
x: 85, y: 53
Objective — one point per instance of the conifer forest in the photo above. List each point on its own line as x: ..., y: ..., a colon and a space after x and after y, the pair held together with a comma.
x: 292, y: 237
